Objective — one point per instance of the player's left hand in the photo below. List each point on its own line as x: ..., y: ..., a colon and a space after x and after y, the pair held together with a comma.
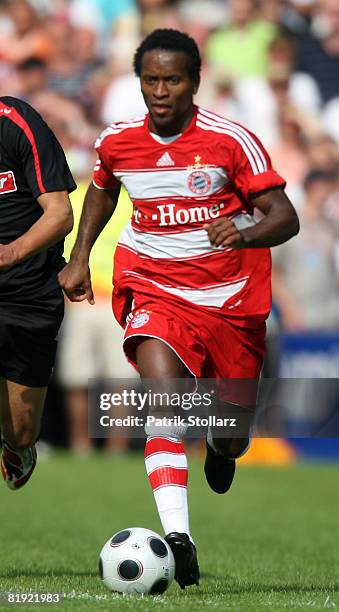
x: 223, y: 233
x: 8, y: 256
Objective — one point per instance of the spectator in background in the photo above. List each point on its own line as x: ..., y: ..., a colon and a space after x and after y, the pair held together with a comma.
x: 290, y: 152
x: 241, y: 46
x: 305, y: 278
x: 106, y: 17
x: 62, y: 111
x: 122, y: 98
x: 330, y: 119
x: 79, y: 157
x: 290, y: 16
x: 75, y: 60
x: 298, y: 13
x: 323, y: 153
x: 219, y: 93
x: 318, y: 48
x: 201, y: 17
x: 262, y: 98
x: 158, y: 13
x: 32, y: 75
x: 27, y: 36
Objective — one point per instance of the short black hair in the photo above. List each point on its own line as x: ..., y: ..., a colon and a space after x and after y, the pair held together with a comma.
x: 168, y: 39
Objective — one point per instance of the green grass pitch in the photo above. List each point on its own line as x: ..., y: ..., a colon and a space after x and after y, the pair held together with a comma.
x: 271, y: 543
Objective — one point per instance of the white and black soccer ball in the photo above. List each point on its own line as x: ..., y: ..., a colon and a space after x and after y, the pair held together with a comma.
x: 136, y: 560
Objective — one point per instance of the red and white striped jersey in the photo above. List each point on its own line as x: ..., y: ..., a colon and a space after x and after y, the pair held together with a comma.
x: 207, y: 172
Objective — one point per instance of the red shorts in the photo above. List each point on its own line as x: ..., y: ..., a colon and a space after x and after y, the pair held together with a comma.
x: 209, y: 346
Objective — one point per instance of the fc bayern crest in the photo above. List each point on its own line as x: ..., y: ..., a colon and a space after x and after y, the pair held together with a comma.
x: 139, y: 320
x: 199, y: 182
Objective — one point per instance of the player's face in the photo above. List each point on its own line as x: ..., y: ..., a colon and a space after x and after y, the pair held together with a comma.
x: 168, y: 91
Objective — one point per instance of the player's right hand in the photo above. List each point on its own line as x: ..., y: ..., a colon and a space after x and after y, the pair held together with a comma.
x: 75, y: 280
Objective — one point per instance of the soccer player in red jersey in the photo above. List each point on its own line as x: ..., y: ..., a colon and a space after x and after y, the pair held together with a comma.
x: 36, y: 214
x: 192, y: 268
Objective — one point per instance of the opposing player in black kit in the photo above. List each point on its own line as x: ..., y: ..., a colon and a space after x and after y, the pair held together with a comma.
x: 35, y: 216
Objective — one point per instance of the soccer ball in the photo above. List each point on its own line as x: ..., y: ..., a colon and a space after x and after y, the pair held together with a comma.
x: 136, y: 560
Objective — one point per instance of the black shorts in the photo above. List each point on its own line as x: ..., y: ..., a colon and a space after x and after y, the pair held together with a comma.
x: 28, y: 338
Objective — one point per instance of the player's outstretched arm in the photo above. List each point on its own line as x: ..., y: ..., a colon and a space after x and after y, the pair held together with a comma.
x: 279, y: 224
x: 53, y: 225
x: 75, y: 279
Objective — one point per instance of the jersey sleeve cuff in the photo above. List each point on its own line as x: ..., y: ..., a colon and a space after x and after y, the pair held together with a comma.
x: 98, y: 186
x: 50, y: 188
x: 264, y: 181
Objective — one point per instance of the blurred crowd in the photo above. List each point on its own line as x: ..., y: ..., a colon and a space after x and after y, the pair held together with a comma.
x: 272, y: 65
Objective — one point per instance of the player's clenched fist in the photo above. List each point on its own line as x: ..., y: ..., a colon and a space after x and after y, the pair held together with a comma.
x: 223, y: 232
x: 75, y: 280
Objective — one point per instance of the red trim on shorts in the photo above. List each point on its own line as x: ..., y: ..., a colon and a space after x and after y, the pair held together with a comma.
x: 163, y: 445
x: 22, y: 123
x: 167, y: 475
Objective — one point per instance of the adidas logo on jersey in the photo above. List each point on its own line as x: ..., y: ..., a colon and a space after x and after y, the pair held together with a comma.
x: 165, y: 160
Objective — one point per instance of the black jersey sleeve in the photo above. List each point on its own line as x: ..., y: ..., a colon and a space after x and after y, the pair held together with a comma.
x: 42, y: 157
